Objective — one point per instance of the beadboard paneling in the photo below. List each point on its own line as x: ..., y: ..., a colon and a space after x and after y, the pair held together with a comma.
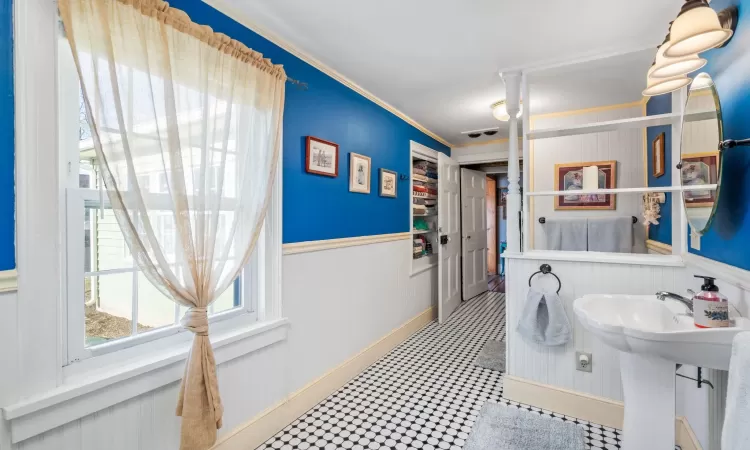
x: 556, y: 365
x: 624, y: 146
x: 338, y: 302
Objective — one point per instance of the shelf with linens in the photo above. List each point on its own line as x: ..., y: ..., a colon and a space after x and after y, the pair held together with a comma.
x: 424, y: 212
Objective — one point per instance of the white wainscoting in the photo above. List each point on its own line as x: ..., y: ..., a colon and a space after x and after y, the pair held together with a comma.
x: 556, y: 365
x: 338, y: 302
x: 624, y: 146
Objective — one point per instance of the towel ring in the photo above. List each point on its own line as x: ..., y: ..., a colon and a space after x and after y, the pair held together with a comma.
x: 545, y: 269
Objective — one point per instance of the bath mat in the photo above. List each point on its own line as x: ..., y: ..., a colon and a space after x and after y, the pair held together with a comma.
x: 492, y: 356
x: 501, y: 427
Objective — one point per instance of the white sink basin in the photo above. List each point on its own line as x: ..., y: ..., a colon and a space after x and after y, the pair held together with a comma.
x: 645, y: 324
x: 653, y: 336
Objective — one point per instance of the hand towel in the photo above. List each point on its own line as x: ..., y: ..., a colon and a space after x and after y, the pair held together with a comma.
x: 736, y: 434
x: 543, y: 319
x: 566, y: 234
x: 610, y: 234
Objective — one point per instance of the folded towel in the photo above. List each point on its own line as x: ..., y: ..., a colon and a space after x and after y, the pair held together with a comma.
x: 417, y: 171
x: 566, y: 234
x: 423, y: 179
x: 611, y: 234
x: 543, y: 319
x: 423, y: 164
x: 736, y: 433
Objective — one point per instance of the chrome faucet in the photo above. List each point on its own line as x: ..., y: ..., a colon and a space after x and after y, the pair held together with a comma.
x: 663, y: 295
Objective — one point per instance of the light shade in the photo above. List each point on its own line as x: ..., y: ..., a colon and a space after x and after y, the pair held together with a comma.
x: 696, y: 30
x: 666, y: 67
x: 500, y: 111
x: 659, y: 86
x: 702, y: 81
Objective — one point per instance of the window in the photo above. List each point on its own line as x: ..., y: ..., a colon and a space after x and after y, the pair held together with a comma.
x: 110, y: 304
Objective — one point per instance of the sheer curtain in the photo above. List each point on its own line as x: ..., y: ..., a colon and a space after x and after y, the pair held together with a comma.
x: 202, y: 113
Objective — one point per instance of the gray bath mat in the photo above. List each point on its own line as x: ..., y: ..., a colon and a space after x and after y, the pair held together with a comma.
x: 501, y: 427
x: 492, y: 356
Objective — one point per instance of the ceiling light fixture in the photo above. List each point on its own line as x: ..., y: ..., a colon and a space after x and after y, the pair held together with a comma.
x: 666, y: 67
x: 699, y: 28
x: 659, y: 86
x: 500, y: 111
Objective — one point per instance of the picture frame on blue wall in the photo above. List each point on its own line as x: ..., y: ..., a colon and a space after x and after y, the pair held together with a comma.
x: 360, y: 167
x: 388, y: 183
x: 321, y: 157
x: 657, y: 155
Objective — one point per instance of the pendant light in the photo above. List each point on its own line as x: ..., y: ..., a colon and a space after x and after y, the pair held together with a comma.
x: 666, y: 67
x: 659, y: 86
x: 698, y: 28
x: 500, y: 110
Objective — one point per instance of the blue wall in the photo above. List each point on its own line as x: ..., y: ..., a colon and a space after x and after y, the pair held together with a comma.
x: 7, y: 164
x: 655, y: 106
x: 728, y: 239
x: 318, y: 207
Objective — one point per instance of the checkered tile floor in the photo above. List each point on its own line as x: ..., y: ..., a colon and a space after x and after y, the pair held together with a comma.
x: 425, y: 394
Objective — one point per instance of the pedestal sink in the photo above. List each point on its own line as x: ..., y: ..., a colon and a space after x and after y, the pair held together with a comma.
x: 652, y: 337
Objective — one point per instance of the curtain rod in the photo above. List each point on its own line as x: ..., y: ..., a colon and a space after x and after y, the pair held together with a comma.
x: 301, y: 85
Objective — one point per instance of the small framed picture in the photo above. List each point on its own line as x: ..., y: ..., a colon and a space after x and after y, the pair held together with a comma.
x: 699, y: 169
x: 569, y: 177
x: 322, y: 157
x: 657, y: 155
x: 388, y: 183
x: 359, y: 173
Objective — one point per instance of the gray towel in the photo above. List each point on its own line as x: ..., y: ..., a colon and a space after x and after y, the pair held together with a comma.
x: 543, y: 319
x: 736, y: 434
x: 611, y: 234
x: 566, y: 234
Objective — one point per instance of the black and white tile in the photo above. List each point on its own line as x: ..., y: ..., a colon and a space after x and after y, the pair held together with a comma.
x: 425, y: 394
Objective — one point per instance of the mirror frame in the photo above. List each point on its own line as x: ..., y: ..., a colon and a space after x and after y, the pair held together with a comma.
x: 720, y: 158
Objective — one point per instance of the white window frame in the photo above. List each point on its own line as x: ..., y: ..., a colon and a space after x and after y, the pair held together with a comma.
x: 260, y: 279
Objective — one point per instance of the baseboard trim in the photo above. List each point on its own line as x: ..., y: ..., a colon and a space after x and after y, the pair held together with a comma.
x: 261, y: 428
x: 328, y: 244
x: 599, y: 410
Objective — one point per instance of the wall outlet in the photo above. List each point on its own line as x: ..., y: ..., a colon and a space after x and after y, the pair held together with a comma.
x: 583, y: 361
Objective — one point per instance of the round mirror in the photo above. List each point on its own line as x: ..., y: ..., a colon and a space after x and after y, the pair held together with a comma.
x: 700, y: 160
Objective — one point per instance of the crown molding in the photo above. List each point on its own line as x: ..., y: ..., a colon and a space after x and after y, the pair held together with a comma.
x: 225, y: 8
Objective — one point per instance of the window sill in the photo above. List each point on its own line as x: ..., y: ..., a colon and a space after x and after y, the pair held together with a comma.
x: 86, y: 395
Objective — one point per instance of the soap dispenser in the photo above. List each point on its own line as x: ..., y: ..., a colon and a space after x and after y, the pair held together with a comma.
x: 710, y: 307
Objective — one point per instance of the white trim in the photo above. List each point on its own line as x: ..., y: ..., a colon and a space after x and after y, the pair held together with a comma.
x: 232, y: 12
x: 72, y: 401
x: 39, y: 200
x: 584, y: 406
x: 726, y: 273
x: 638, y: 190
x: 9, y: 280
x: 422, y: 151
x: 659, y: 247
x: 416, y: 272
x: 327, y: 244
x: 636, y: 259
x: 256, y: 431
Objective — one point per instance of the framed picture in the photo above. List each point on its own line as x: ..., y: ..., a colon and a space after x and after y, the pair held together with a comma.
x: 359, y: 173
x: 569, y: 177
x: 322, y: 157
x: 698, y: 169
x: 388, y: 180
x: 657, y: 155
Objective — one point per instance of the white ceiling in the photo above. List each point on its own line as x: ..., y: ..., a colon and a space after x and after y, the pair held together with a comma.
x: 437, y: 61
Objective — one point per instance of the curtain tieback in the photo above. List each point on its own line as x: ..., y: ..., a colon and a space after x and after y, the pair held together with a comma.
x: 196, y: 320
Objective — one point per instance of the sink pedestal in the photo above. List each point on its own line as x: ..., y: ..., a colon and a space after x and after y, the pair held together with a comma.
x: 648, y: 384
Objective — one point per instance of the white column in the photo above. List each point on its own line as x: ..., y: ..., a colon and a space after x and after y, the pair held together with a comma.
x: 679, y: 219
x: 526, y: 202
x: 512, y: 96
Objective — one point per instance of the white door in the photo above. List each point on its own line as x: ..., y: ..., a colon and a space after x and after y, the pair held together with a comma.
x: 474, y: 232
x: 449, y: 232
